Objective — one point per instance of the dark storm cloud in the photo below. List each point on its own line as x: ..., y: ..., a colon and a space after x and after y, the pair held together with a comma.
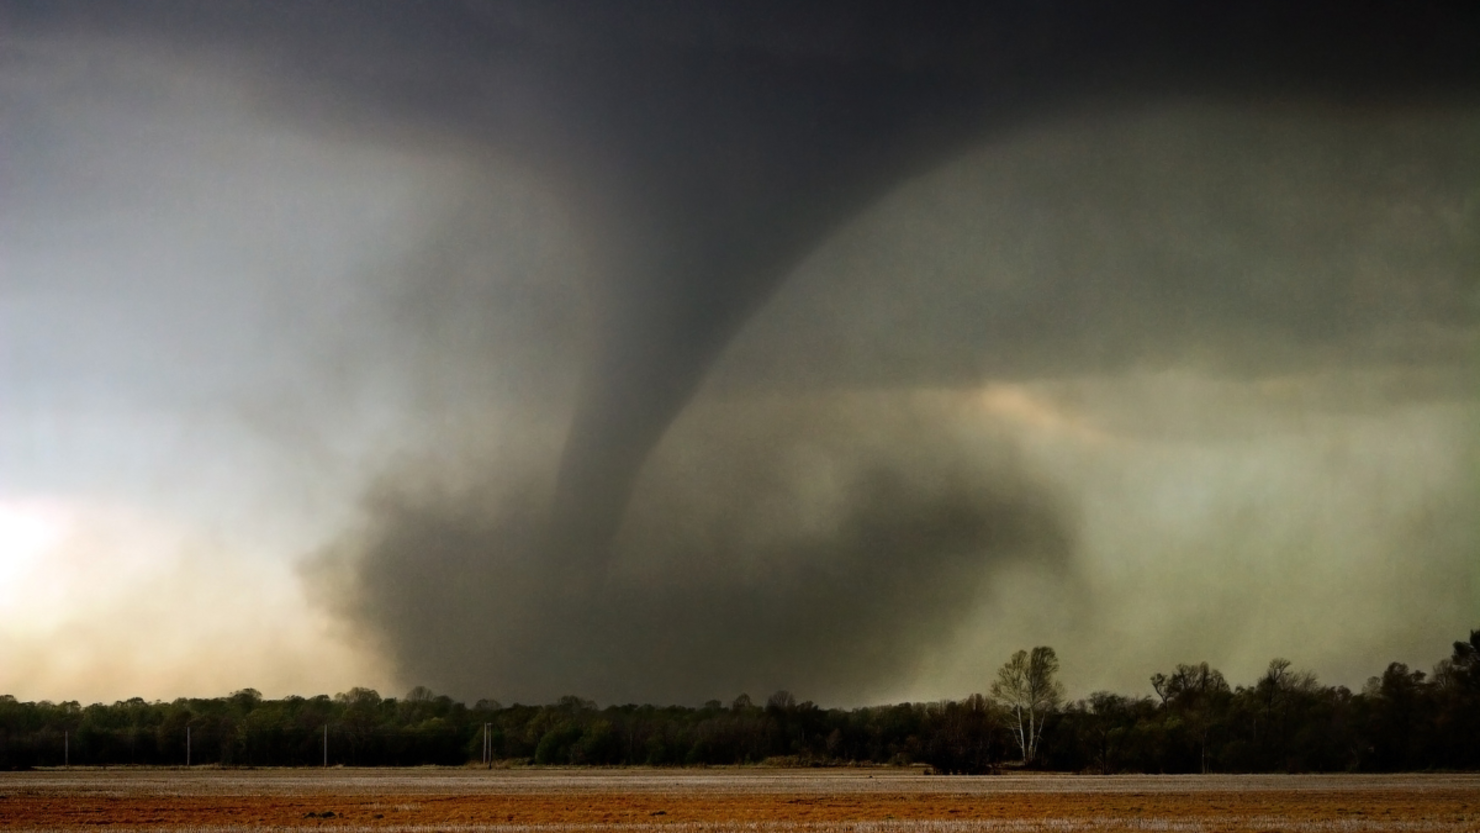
x: 1240, y: 241
x: 699, y: 155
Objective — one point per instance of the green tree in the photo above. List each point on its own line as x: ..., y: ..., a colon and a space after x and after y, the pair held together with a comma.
x: 1026, y: 687
x: 1194, y: 697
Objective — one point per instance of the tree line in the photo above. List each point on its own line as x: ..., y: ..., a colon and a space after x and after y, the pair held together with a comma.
x: 1285, y: 721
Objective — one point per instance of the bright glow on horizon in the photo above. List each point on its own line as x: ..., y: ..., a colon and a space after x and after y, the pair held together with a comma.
x: 100, y: 602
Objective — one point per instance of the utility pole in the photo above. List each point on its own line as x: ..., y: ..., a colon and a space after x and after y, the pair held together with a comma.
x: 66, y: 747
x: 326, y: 746
x: 487, y: 747
x: 187, y: 745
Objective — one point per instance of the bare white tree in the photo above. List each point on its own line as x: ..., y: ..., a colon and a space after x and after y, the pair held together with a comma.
x: 1026, y: 687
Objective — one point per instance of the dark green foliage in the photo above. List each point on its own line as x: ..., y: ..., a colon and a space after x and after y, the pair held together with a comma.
x: 966, y: 737
x: 1284, y: 722
x: 555, y: 745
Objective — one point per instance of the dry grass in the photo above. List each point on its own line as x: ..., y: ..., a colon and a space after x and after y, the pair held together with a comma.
x: 721, y: 801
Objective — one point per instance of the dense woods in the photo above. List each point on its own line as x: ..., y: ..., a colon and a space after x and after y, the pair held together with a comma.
x: 1283, y: 722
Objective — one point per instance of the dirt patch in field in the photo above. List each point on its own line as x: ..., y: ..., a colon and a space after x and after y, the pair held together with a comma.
x: 738, y: 801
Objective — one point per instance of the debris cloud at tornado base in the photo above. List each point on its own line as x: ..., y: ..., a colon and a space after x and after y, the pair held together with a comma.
x: 818, y: 546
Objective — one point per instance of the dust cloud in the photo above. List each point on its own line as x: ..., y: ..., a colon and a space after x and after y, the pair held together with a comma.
x: 822, y: 545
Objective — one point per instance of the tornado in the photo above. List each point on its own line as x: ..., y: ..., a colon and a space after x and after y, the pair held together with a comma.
x: 670, y: 547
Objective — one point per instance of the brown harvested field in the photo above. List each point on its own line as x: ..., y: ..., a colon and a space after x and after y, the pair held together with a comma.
x: 680, y: 801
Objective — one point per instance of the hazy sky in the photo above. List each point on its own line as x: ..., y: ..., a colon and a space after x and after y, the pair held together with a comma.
x: 287, y: 383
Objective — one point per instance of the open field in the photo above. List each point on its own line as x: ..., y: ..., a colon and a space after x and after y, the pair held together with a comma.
x: 679, y: 801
